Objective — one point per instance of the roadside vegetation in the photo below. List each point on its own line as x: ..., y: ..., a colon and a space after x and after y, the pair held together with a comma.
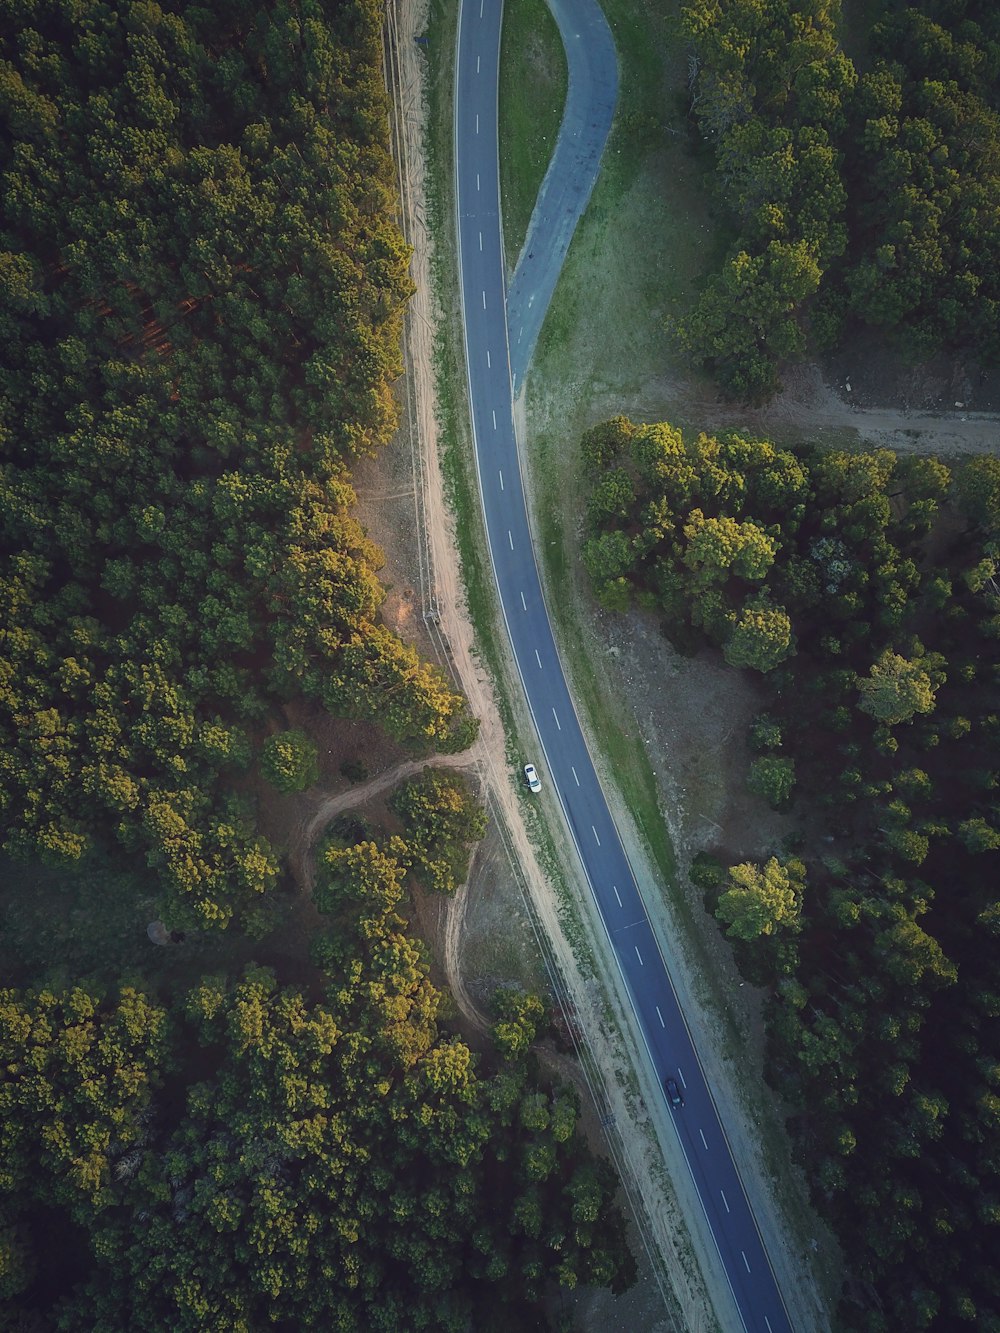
x: 201, y: 296
x: 863, y: 586
x: 181, y: 411
x: 245, y: 1155
x: 649, y: 234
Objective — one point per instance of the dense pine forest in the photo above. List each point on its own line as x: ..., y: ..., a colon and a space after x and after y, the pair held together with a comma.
x: 202, y: 287
x: 863, y: 588
x: 855, y: 194
x: 202, y: 299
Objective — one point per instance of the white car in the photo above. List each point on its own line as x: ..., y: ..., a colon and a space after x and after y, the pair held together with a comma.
x: 531, y: 778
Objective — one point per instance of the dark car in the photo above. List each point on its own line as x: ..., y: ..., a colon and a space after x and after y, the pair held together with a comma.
x: 673, y: 1093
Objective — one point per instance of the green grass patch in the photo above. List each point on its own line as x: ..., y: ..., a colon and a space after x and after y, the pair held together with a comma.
x: 648, y: 238
x: 88, y: 921
x: 533, y: 82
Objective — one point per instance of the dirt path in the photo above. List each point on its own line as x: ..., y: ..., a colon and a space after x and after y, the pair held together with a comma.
x: 309, y: 832
x: 809, y: 405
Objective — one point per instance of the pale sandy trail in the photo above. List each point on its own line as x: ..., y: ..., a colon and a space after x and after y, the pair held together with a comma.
x: 330, y: 806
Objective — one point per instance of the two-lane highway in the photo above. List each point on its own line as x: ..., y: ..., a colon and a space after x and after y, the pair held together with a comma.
x: 758, y: 1307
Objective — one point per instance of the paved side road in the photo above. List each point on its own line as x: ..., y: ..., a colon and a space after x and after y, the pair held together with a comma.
x: 590, y: 107
x: 566, y: 767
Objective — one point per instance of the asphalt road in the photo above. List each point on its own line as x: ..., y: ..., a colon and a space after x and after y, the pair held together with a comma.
x: 564, y: 763
x: 591, y: 95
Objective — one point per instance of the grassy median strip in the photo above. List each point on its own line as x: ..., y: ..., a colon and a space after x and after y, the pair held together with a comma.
x: 533, y: 81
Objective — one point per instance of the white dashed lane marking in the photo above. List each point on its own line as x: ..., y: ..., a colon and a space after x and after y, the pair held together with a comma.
x: 660, y: 1017
x: 594, y: 832
x: 510, y: 539
x: 744, y: 1258
x: 537, y: 658
x: 501, y: 479
x: 554, y: 713
x: 680, y: 1075
x: 725, y: 1201
x: 703, y: 1139
x: 494, y: 420
x: 524, y: 604
x: 575, y: 778
x: 617, y: 894
x: 639, y: 956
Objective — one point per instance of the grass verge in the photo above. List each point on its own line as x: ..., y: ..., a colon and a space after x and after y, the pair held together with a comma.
x: 533, y: 82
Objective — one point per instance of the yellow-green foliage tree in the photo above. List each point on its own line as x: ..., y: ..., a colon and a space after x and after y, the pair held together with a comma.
x: 201, y: 295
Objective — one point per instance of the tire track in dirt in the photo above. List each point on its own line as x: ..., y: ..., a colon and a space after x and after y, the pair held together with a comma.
x: 311, y: 830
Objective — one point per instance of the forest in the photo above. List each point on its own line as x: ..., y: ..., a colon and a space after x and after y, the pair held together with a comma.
x: 202, y: 288
x: 202, y: 301
x: 862, y: 590
x: 855, y: 194
x: 241, y: 1156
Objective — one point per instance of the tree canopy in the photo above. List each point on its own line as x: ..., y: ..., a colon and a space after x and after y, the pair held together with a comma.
x: 882, y: 707
x: 855, y: 194
x: 201, y: 293
x: 762, y: 898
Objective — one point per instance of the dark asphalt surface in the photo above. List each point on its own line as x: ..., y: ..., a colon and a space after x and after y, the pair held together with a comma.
x: 565, y: 763
x: 591, y: 95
